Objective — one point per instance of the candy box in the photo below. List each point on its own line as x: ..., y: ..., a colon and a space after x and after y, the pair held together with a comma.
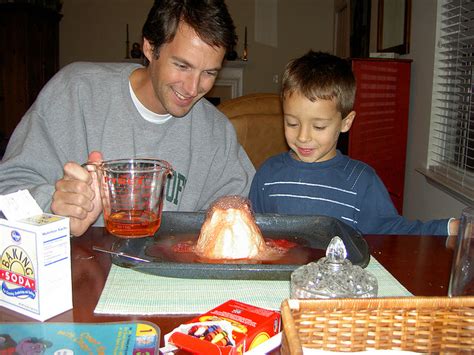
x: 35, y: 266
x: 231, y: 328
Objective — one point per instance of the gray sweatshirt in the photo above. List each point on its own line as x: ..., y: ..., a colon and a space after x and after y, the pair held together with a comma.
x: 87, y: 107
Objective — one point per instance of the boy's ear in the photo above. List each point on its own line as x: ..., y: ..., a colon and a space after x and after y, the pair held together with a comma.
x: 347, y: 121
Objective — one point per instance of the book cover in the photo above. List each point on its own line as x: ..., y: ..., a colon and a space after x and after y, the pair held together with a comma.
x: 125, y: 338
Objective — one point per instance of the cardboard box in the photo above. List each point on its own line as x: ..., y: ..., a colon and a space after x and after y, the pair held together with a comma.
x: 35, y: 266
x: 250, y: 326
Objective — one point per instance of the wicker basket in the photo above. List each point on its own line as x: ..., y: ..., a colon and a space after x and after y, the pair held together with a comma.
x: 420, y: 324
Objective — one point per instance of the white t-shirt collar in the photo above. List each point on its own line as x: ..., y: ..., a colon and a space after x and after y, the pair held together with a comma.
x: 148, y: 115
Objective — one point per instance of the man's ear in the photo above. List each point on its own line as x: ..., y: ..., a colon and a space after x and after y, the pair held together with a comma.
x: 347, y: 121
x: 148, y: 50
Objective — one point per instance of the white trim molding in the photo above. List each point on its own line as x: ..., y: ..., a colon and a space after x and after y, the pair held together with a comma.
x: 232, y: 75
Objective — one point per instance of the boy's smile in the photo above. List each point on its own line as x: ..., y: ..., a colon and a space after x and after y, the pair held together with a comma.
x: 312, y: 128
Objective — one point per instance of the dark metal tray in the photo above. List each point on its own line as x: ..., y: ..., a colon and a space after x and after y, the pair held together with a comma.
x: 312, y: 231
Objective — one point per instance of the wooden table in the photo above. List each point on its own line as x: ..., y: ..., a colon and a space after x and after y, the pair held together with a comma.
x: 421, y: 264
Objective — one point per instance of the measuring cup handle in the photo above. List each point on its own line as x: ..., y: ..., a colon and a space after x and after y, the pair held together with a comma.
x: 91, y: 166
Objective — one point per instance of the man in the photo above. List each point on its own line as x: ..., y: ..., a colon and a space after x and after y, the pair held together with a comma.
x: 92, y: 112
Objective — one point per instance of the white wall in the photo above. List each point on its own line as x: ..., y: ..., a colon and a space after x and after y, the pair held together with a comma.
x: 422, y: 200
x: 94, y: 30
x: 301, y: 25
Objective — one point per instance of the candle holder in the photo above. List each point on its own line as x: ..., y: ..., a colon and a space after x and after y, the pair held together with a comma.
x: 127, y: 45
x: 245, y: 53
x: 136, y: 51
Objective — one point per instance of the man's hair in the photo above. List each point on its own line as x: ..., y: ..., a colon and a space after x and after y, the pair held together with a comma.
x: 319, y: 75
x: 209, y: 18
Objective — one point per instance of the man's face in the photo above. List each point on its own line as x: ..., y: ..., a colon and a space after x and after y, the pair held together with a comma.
x: 312, y: 128
x: 184, y: 71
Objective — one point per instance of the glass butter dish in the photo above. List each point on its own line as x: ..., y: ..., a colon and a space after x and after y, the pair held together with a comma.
x: 333, y: 277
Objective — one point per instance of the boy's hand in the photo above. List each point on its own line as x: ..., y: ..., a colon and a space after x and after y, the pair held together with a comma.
x: 453, y: 233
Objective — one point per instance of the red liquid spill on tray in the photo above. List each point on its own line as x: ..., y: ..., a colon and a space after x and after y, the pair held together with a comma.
x: 281, y: 250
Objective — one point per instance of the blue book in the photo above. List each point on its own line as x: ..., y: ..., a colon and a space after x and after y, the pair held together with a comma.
x: 126, y: 338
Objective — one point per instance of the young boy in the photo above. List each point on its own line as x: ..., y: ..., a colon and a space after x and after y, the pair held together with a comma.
x: 314, y: 178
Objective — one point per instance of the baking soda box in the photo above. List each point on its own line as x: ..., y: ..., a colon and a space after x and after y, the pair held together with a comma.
x: 231, y: 328
x: 35, y: 265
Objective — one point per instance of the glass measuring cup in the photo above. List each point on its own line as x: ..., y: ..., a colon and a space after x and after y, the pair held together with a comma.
x: 132, y: 195
x: 462, y: 271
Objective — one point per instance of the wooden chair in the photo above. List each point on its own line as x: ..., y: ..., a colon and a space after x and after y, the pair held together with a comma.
x: 258, y: 121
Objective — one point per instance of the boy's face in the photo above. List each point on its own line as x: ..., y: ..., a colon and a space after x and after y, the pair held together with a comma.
x: 184, y: 71
x: 312, y: 128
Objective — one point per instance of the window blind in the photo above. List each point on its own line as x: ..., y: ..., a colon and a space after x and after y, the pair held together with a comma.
x: 451, y: 146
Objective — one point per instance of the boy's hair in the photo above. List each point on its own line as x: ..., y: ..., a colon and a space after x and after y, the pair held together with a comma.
x: 209, y: 18
x: 318, y: 75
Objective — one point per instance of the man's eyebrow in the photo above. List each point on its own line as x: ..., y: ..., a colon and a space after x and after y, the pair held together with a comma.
x: 185, y: 62
x: 182, y: 61
x: 214, y: 69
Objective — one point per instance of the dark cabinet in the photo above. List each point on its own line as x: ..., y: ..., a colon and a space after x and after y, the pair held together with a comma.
x: 378, y: 135
x: 29, y: 57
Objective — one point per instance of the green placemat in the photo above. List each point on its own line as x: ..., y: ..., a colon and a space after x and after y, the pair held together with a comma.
x: 132, y: 292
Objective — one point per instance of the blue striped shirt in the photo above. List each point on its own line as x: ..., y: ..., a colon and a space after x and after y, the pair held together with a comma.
x: 344, y: 188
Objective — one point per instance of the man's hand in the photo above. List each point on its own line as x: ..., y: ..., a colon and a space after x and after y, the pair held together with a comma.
x: 77, y: 196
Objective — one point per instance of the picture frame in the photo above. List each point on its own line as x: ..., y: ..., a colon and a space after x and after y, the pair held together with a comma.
x: 393, y: 26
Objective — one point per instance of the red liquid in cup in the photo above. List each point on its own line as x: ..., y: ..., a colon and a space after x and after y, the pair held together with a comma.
x: 133, y: 224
